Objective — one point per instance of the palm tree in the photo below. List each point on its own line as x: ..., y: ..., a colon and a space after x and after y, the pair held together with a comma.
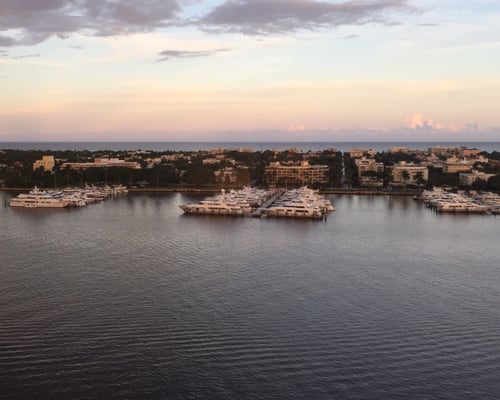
x: 405, y: 176
x: 419, y: 177
x: 67, y: 168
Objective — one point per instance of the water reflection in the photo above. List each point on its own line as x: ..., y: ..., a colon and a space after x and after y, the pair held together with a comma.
x: 129, y: 298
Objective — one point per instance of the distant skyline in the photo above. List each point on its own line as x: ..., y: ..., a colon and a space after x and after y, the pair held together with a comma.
x: 249, y: 70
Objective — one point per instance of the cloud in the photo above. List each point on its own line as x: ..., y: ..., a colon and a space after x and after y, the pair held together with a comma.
x: 264, y: 17
x: 347, y: 37
x: 28, y: 56
x: 296, y: 128
x: 168, y: 54
x: 34, y: 21
x: 29, y: 22
x: 6, y: 41
x: 419, y: 122
x: 472, y: 126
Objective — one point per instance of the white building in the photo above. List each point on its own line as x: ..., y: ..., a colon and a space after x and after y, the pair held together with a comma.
x: 413, y: 171
x: 452, y: 166
x: 467, y: 179
x: 103, y: 163
x: 368, y: 164
x: 302, y: 173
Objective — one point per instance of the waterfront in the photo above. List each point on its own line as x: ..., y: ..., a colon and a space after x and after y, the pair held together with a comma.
x: 256, y: 146
x: 132, y: 299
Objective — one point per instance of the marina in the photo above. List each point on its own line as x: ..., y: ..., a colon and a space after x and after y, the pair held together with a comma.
x: 447, y: 202
x: 295, y: 203
x: 69, y: 197
x: 130, y: 297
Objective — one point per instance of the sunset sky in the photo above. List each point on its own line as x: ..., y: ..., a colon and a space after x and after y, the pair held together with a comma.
x: 136, y: 70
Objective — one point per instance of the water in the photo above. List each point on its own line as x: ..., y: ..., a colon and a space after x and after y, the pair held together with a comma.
x: 131, y: 299
x: 256, y: 146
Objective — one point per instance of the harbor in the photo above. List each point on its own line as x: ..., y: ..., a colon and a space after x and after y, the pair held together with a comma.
x: 68, y: 197
x: 443, y: 201
x: 296, y: 203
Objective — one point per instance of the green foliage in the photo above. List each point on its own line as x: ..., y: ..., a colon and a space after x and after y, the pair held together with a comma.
x: 198, y: 175
x: 394, y: 158
x: 495, y: 155
x: 479, y: 184
x: 438, y: 178
x: 286, y: 156
x: 334, y: 162
x: 419, y: 176
x: 494, y: 183
x: 351, y: 170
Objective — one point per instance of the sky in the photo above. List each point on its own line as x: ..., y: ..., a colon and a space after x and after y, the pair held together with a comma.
x: 249, y: 70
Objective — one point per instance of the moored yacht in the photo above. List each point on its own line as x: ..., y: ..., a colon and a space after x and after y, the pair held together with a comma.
x: 295, y: 209
x: 213, y: 206
x: 38, y: 199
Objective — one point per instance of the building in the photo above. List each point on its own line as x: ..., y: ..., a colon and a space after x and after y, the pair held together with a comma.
x: 466, y: 152
x: 451, y: 167
x: 243, y: 149
x: 368, y: 164
x: 218, y: 150
x: 415, y: 173
x: 296, y: 175
x: 47, y: 163
x: 103, y: 163
x: 371, y: 181
x: 358, y: 153
x: 399, y: 149
x: 444, y: 151
x: 226, y: 175
x: 467, y: 179
x: 211, y: 161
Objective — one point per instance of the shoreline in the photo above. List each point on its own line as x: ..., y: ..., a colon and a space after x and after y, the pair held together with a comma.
x: 201, y: 190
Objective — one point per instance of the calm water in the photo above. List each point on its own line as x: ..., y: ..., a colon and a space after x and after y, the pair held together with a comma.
x: 256, y: 146
x: 130, y: 299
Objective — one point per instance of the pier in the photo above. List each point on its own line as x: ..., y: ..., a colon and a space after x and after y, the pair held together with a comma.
x: 295, y: 203
x: 259, y: 212
x: 447, y: 202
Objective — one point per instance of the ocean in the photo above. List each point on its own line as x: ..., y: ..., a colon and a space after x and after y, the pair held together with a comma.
x: 256, y: 146
x: 131, y: 299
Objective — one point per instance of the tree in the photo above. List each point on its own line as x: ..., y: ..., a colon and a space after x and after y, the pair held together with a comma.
x: 479, y: 184
x: 419, y: 177
x: 494, y: 183
x: 199, y: 175
x: 67, y: 169
x: 405, y: 176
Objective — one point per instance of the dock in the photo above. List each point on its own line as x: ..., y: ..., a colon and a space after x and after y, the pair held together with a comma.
x: 259, y: 212
x: 296, y: 203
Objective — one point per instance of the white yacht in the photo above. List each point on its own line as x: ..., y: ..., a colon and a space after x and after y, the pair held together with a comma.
x: 38, y: 199
x: 295, y: 209
x: 216, y: 206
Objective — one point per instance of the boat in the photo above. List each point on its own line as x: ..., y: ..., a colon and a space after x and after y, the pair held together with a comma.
x: 216, y: 206
x: 38, y: 199
x: 295, y: 209
x: 296, y: 203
